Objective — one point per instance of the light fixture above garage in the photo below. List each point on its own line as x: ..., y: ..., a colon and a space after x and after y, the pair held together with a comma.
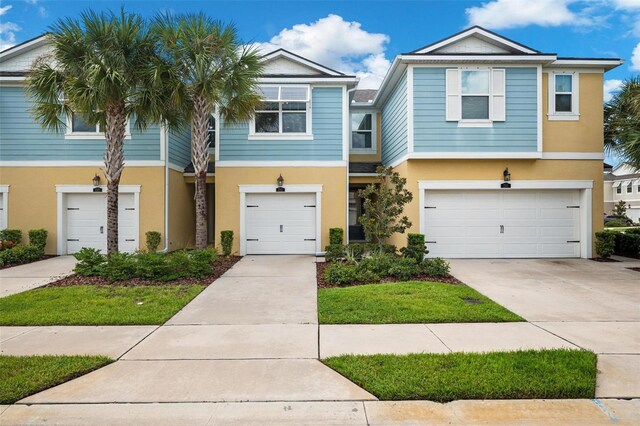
x: 280, y: 182
x: 96, y: 184
x: 506, y: 177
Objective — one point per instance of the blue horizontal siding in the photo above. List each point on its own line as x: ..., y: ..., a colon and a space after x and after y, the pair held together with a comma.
x: 23, y: 139
x: 326, y: 110
x: 519, y: 133
x: 180, y: 146
x: 394, y: 123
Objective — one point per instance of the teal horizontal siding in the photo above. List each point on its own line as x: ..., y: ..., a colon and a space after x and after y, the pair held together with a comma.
x: 394, y: 123
x: 180, y: 146
x: 326, y: 110
x: 519, y: 133
x: 23, y: 139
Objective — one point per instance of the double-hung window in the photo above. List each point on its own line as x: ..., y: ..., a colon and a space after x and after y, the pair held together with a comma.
x: 211, y: 131
x: 563, y: 96
x: 475, y: 97
x: 363, y: 132
x: 629, y: 188
x: 78, y: 127
x: 285, y: 111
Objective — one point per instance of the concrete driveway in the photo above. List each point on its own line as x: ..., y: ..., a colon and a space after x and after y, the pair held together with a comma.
x: 26, y: 277
x: 589, y: 304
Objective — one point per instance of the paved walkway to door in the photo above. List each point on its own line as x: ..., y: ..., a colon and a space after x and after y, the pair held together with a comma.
x: 32, y: 275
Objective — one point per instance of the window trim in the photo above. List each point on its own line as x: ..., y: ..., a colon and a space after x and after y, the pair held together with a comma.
x: 374, y: 133
x: 574, y: 114
x: 476, y: 122
x: 97, y: 135
x: 630, y: 188
x: 308, y: 135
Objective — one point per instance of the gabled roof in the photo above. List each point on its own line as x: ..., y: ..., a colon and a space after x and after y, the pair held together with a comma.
x: 25, y: 46
x: 482, y: 34
x: 312, y: 66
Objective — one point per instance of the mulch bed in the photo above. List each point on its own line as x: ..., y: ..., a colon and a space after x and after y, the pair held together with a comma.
x: 321, y: 266
x: 603, y: 259
x: 222, y: 265
x: 11, y: 265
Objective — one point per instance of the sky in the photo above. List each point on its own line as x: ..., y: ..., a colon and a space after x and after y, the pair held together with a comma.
x: 363, y: 37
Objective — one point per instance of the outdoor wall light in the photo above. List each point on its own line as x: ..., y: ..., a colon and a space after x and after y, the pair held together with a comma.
x: 506, y: 174
x: 96, y: 180
x: 280, y: 182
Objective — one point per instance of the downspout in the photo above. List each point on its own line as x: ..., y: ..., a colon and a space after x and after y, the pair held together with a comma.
x: 346, y: 238
x: 166, y: 189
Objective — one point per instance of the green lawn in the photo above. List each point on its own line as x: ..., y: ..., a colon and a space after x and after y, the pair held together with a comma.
x: 560, y: 373
x: 407, y: 302
x: 96, y: 305
x: 25, y: 375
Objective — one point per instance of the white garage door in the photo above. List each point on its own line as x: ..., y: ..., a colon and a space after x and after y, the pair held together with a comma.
x: 502, y: 224
x: 3, y: 223
x: 87, y: 222
x: 280, y: 223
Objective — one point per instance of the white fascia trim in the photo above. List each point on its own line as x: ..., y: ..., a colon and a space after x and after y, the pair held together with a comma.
x: 482, y: 58
x: 307, y: 79
x: 13, y: 79
x: 78, y: 163
x: 605, y: 63
x: 175, y: 167
x: 226, y: 163
x: 363, y: 174
x: 471, y: 32
x: 573, y: 156
x: 495, y: 184
x: 255, y: 189
x: 410, y: 127
x: 550, y: 68
x: 76, y: 189
x: 36, y: 42
x: 294, y: 58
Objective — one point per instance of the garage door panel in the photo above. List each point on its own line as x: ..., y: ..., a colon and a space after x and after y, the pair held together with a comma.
x: 535, y: 223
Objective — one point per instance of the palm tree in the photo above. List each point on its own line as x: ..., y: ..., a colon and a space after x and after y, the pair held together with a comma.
x: 622, y: 122
x: 99, y: 68
x: 206, y: 68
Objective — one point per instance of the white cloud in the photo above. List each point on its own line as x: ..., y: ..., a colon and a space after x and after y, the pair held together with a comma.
x: 635, y: 58
x: 7, y: 30
x: 338, y: 44
x: 43, y: 11
x: 626, y: 4
x: 501, y: 14
x: 32, y: 1
x: 5, y: 9
x: 610, y: 87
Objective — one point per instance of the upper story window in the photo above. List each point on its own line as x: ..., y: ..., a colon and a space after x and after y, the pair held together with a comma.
x: 363, y: 132
x: 211, y: 131
x: 475, y: 97
x: 78, y: 127
x: 284, y: 112
x: 563, y: 96
x: 629, y: 188
x: 618, y: 187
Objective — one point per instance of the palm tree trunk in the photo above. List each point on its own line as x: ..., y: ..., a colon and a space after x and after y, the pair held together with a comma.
x: 200, y: 159
x: 116, y: 119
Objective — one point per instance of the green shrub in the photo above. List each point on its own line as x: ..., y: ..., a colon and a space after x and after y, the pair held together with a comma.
x: 415, y: 248
x: 90, y: 262
x: 119, y: 267
x: 13, y: 235
x: 379, y: 264
x: 404, y: 268
x: 20, y: 254
x: 632, y: 231
x: 38, y: 238
x: 334, y: 252
x: 154, y: 266
x: 180, y: 264
x: 354, y: 252
x: 336, y: 236
x: 435, y: 267
x: 201, y: 261
x: 628, y: 244
x: 616, y: 223
x: 153, y: 241
x: 341, y: 273
x: 605, y: 243
x: 226, y: 240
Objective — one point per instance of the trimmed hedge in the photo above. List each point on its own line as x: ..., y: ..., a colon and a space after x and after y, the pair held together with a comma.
x: 38, y: 238
x: 605, y: 243
x: 226, y: 240
x: 145, y: 265
x: 13, y: 235
x: 415, y: 248
x: 20, y: 254
x: 625, y: 243
x: 153, y: 241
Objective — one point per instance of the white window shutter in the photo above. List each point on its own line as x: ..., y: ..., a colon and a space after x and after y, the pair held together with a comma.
x: 498, y: 91
x: 453, y: 95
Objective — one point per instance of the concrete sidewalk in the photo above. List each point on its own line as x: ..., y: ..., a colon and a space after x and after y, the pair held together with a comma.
x: 32, y: 275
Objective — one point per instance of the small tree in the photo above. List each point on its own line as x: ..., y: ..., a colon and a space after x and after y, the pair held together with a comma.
x: 620, y: 209
x: 383, y: 206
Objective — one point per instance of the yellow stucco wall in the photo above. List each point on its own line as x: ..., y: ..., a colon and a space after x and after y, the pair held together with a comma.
x: 334, y: 194
x: 371, y: 158
x: 583, y: 135
x: 182, y: 225
x: 33, y: 199
x: 416, y: 170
